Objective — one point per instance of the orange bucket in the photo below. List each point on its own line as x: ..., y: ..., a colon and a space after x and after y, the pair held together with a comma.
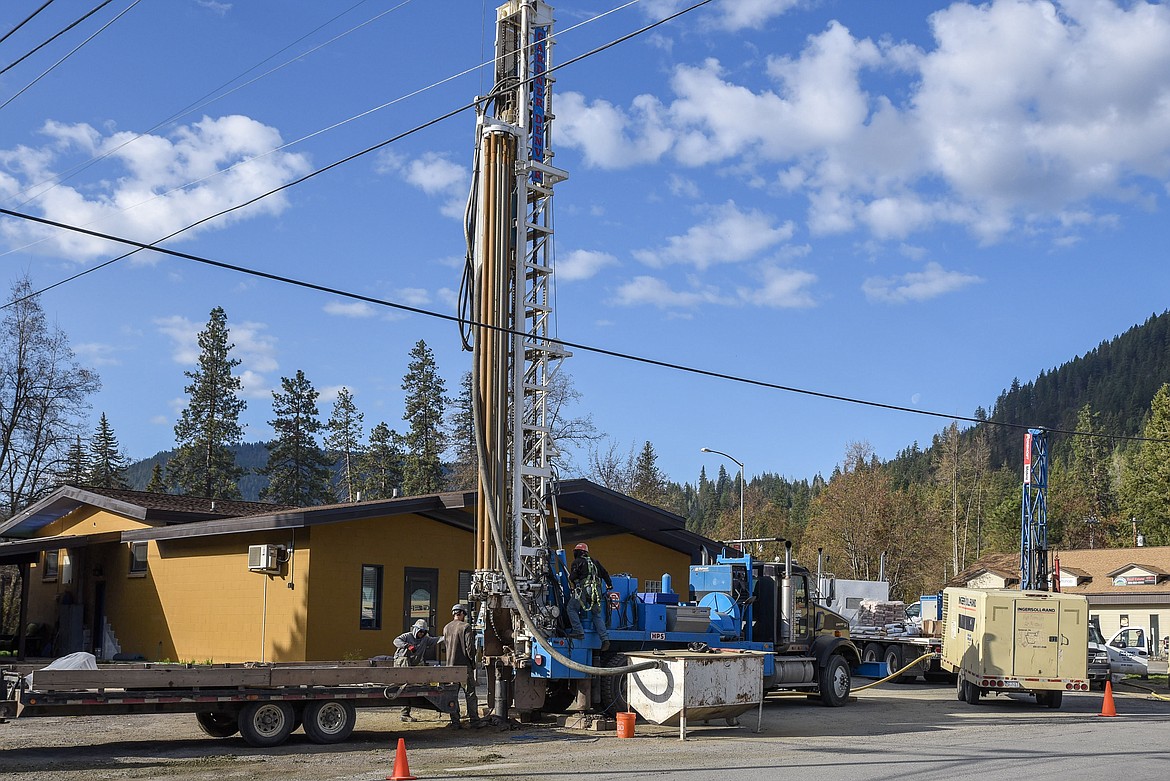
x: 625, y: 724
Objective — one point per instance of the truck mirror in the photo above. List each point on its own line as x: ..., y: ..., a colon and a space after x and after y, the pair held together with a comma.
x: 832, y: 590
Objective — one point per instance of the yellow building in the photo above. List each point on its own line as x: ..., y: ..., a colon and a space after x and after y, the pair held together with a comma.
x: 153, y: 576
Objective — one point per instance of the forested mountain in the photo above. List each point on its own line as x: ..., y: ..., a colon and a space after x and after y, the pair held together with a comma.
x: 251, y: 456
x: 1117, y: 379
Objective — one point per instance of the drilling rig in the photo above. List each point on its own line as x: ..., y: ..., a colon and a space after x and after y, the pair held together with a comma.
x: 520, y: 583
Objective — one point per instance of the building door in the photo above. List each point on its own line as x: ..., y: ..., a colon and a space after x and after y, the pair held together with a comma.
x: 421, y: 597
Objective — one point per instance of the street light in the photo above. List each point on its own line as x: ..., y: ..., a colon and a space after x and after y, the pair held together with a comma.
x: 740, y: 465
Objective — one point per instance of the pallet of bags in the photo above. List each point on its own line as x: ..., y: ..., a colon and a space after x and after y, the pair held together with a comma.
x: 880, y: 613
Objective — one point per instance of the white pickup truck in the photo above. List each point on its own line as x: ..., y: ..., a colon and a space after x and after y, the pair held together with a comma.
x: 1130, y: 651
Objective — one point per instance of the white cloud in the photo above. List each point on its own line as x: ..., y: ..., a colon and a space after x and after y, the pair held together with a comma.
x: 610, y: 137
x: 932, y: 282
x: 781, y: 288
x: 413, y: 296
x: 730, y: 235
x: 349, y: 309
x: 97, y: 354
x: 255, y: 349
x: 582, y: 264
x: 729, y: 14
x: 1017, y: 114
x: 435, y: 175
x: 166, y: 182
x: 644, y: 290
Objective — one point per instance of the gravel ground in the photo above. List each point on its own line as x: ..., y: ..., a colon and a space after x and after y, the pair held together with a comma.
x: 883, y: 720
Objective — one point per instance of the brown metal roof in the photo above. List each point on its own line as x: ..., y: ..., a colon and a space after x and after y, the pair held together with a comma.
x: 1098, y: 566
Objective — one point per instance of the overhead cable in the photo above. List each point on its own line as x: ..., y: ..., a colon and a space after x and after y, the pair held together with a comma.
x: 27, y: 19
x: 70, y: 54
x: 139, y: 246
x: 43, y: 44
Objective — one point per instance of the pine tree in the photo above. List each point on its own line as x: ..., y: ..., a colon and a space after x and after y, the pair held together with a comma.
x: 107, y: 462
x: 158, y: 483
x: 343, y: 440
x: 298, y: 470
x: 1147, y: 478
x: 649, y: 484
x: 464, y: 469
x: 425, y: 441
x: 75, y: 470
x: 381, y: 464
x: 204, y: 464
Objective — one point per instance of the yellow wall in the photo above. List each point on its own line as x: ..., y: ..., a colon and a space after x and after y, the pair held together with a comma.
x: 395, y: 543
x: 641, y: 558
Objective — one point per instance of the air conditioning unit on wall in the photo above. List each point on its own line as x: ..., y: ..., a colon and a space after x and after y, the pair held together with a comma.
x: 264, y: 558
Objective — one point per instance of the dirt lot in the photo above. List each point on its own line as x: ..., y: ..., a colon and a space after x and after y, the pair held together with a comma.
x: 881, y: 723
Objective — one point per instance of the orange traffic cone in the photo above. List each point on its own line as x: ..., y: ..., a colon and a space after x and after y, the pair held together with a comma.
x: 1107, y: 708
x: 401, y: 771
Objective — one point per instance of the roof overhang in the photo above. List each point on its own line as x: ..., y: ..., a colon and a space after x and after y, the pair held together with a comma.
x: 448, y: 508
x: 60, y: 503
x: 28, y: 550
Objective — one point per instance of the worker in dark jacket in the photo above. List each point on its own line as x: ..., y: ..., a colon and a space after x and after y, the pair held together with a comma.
x: 410, y: 650
x: 586, y: 576
x: 459, y: 643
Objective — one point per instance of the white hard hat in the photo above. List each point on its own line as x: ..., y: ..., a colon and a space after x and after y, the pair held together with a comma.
x: 420, y: 626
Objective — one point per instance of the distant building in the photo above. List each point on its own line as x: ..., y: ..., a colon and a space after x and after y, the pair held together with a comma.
x: 134, y: 574
x: 1125, y: 587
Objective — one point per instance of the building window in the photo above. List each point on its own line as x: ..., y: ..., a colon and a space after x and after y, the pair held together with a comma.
x: 51, y: 565
x: 371, y: 596
x: 138, y: 558
x: 464, y: 586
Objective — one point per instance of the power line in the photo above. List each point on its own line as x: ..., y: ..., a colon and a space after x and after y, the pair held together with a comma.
x: 355, y: 117
x: 75, y: 49
x: 27, y: 19
x: 42, y: 45
x: 207, y: 99
x: 139, y: 246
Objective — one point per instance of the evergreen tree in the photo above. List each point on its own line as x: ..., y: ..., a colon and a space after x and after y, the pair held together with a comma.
x: 158, y: 483
x: 1147, y: 477
x: 426, y: 402
x: 381, y: 464
x: 107, y: 462
x: 75, y: 470
x: 343, y: 440
x: 464, y: 474
x: 298, y: 470
x: 204, y: 464
x: 648, y: 484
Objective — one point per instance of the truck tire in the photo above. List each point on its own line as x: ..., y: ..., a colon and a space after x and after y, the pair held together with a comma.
x: 266, y: 724
x: 218, y: 725
x: 613, y: 687
x: 329, y: 721
x: 893, y: 659
x: 1050, y: 699
x: 835, y: 682
x: 872, y: 652
x: 960, y: 689
x: 971, y: 693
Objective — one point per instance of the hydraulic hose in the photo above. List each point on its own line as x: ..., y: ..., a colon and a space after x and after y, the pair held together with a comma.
x: 895, y: 674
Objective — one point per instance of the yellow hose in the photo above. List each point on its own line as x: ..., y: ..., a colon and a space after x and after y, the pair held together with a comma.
x: 893, y: 675
x: 1151, y: 692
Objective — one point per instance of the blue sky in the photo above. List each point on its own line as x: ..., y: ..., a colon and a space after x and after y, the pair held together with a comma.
x: 907, y: 203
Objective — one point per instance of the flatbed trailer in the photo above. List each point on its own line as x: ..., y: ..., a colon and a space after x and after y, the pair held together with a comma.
x: 262, y: 702
x: 898, y: 650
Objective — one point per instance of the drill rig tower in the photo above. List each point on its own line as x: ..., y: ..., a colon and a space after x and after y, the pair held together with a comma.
x: 1034, y: 526
x: 507, y: 292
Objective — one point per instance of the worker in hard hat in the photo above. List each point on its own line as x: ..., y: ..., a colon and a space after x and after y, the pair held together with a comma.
x: 586, y: 593
x: 410, y: 649
x: 460, y: 641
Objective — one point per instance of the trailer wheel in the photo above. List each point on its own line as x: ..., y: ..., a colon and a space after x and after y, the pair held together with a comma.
x: 872, y: 652
x: 893, y: 659
x: 835, y: 682
x: 1050, y: 699
x: 971, y: 693
x: 265, y: 724
x: 218, y: 725
x: 960, y: 689
x: 329, y: 721
x: 613, y: 687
